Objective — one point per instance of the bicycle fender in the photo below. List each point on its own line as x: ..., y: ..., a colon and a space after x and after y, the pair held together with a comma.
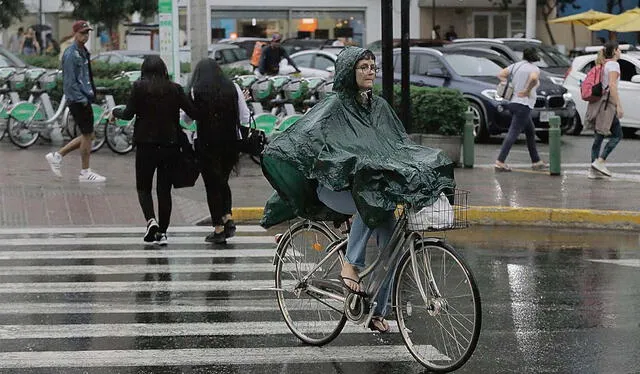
x: 25, y: 111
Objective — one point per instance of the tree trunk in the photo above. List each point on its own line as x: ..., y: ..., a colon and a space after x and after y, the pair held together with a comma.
x: 545, y: 15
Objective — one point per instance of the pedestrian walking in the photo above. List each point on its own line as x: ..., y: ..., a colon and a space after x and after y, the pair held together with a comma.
x: 435, y: 33
x: 525, y: 79
x: 218, y: 102
x: 604, y: 115
x: 30, y: 45
x: 451, y: 35
x: 79, y: 90
x: 271, y: 56
x: 156, y: 102
x: 15, y: 42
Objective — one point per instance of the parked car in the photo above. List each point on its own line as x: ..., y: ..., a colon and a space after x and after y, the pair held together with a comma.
x: 629, y: 89
x: 376, y: 46
x: 124, y: 55
x: 246, y: 43
x: 551, y: 60
x: 225, y: 54
x: 476, y: 77
x: 9, y: 59
x: 293, y: 45
x: 313, y: 62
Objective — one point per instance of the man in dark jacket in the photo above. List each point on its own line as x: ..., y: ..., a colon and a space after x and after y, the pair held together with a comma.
x: 79, y: 90
x: 271, y: 57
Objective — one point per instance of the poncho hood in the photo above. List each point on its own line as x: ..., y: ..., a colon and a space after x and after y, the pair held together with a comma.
x: 344, y: 145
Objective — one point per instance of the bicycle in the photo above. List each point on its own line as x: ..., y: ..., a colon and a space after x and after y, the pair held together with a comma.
x: 8, y: 97
x: 435, y: 297
x: 119, y: 134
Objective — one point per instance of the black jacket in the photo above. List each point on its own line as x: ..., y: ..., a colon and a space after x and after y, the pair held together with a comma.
x: 157, y: 116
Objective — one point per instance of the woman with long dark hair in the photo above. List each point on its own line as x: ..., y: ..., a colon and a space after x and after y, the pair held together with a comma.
x: 156, y: 102
x: 217, y: 100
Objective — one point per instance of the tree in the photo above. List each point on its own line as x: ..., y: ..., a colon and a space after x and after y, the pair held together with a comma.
x: 549, y: 7
x: 111, y: 12
x: 10, y: 10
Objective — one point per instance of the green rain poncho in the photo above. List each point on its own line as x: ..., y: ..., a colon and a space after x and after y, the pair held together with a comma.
x: 345, y: 145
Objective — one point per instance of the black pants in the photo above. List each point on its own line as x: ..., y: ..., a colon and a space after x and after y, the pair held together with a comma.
x: 149, y: 158
x: 215, y: 174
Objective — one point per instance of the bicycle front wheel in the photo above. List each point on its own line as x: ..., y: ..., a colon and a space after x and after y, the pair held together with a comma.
x: 21, y: 133
x: 312, y: 315
x: 437, y: 305
x: 99, y: 133
x: 119, y: 138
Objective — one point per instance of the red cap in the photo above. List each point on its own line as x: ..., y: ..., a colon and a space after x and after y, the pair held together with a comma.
x: 80, y: 26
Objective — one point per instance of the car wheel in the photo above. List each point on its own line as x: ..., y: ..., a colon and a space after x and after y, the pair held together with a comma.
x: 572, y: 127
x: 629, y: 132
x: 480, y: 131
x: 543, y: 136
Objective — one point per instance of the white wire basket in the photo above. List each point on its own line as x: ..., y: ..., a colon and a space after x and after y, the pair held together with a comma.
x: 442, y: 214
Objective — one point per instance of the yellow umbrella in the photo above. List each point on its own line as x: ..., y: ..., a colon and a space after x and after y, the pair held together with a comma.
x: 585, y: 18
x: 625, y: 22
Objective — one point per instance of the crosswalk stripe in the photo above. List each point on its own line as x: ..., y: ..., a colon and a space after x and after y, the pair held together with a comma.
x: 103, y: 330
x: 210, y: 356
x: 139, y: 269
x: 108, y: 287
x: 259, y: 305
x: 136, y: 253
x: 129, y: 240
x: 120, y: 230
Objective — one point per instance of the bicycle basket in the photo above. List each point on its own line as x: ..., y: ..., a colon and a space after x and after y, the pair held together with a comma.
x: 314, y: 82
x: 325, y: 90
x: 17, y: 82
x: 262, y: 90
x: 6, y: 73
x: 279, y: 81
x: 34, y: 74
x: 295, y: 90
x: 441, y: 215
x: 48, y: 81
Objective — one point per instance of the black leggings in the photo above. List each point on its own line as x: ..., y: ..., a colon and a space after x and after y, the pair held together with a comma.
x: 215, y: 174
x: 150, y: 157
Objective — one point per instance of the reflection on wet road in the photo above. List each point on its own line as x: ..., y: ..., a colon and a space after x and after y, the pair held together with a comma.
x: 94, y: 300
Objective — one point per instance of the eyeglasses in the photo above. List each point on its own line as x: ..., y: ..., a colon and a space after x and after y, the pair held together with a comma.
x: 364, y: 68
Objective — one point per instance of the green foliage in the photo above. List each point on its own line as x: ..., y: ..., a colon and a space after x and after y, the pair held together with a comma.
x: 47, y: 62
x: 10, y: 10
x: 232, y: 72
x: 147, y: 8
x: 433, y: 110
x: 105, y: 70
x: 548, y: 4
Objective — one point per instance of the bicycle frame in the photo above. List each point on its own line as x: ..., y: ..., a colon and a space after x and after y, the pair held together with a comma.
x: 382, y: 267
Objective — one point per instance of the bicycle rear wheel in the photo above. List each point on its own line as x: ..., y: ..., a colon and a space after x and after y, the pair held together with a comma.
x: 313, y: 317
x: 99, y: 133
x: 21, y: 133
x: 441, y: 328
x: 3, y: 126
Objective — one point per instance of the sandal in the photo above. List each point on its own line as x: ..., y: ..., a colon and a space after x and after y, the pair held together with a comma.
x: 343, y: 280
x: 379, y: 324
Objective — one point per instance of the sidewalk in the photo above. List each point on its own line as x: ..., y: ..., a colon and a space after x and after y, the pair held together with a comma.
x: 30, y: 196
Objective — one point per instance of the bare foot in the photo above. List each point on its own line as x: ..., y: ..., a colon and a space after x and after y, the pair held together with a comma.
x: 350, y: 277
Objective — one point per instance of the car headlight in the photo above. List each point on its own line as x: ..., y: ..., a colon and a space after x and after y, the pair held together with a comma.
x: 557, y: 80
x: 491, y: 95
x: 567, y: 97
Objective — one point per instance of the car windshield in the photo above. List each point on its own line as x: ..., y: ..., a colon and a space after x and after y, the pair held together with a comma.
x: 472, y: 66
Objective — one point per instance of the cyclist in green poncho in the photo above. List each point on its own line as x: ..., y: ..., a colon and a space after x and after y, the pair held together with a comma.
x: 351, y: 155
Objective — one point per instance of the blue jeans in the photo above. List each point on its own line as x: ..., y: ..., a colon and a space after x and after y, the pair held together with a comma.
x: 342, y: 202
x: 616, y: 135
x: 520, y: 121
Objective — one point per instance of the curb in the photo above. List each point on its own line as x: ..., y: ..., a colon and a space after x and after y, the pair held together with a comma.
x: 491, y: 215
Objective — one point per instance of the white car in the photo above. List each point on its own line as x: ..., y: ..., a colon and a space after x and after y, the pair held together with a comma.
x: 313, y: 62
x: 629, y: 89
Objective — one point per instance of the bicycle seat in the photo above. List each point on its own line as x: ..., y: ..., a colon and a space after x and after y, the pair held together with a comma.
x: 103, y: 90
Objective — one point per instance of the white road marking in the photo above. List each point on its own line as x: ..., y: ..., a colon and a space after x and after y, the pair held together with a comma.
x: 633, y: 262
x: 128, y: 241
x: 119, y: 229
x: 137, y: 253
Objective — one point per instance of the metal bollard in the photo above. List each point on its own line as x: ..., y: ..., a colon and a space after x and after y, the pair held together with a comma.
x: 554, y: 145
x: 468, y: 153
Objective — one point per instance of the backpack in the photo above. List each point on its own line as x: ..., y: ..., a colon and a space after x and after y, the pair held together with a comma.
x: 591, y: 87
x: 257, y: 53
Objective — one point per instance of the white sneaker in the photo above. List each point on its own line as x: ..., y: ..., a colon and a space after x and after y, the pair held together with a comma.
x: 55, y: 161
x: 161, y: 239
x: 594, y: 174
x: 600, y: 166
x: 91, y: 176
x: 152, y: 231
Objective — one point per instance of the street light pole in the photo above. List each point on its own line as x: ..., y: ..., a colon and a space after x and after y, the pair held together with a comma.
x: 386, y: 8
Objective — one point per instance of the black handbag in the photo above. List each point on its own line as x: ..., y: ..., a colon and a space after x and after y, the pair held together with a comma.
x: 184, y: 168
x: 251, y: 140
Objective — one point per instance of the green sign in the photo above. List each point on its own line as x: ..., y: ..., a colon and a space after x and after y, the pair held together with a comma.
x: 164, y: 6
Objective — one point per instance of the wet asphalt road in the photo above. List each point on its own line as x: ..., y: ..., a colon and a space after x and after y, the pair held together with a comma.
x: 553, y: 301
